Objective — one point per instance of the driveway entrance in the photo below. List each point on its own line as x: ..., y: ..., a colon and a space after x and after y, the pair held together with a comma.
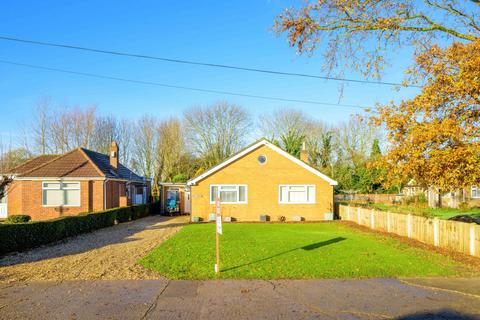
x: 110, y: 253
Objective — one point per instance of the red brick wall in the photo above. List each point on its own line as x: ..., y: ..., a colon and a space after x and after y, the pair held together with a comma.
x: 25, y: 197
x: 116, y: 194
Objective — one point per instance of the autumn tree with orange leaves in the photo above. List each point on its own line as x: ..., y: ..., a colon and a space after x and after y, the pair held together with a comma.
x: 435, y: 137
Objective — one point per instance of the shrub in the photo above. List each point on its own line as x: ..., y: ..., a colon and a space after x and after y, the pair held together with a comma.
x: 417, y: 200
x: 463, y: 206
x: 22, y: 236
x: 19, y: 218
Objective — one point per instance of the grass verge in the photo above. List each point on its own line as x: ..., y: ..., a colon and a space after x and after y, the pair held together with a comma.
x: 294, y: 251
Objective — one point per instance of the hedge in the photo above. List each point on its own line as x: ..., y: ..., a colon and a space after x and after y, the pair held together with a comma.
x: 18, y: 237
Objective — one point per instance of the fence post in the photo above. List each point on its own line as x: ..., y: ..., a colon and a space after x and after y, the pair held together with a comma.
x: 372, y: 219
x: 348, y: 212
x: 472, y: 239
x: 409, y: 225
x: 358, y: 215
x: 436, y: 240
x: 388, y: 221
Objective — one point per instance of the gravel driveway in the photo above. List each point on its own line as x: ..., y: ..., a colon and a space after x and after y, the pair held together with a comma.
x: 105, y: 254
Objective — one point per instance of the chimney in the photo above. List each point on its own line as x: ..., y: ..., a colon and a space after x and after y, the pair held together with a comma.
x: 114, y: 155
x: 304, y: 153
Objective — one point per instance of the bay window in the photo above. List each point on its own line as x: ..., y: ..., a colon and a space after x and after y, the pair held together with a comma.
x: 57, y: 193
x: 296, y: 194
x: 228, y: 193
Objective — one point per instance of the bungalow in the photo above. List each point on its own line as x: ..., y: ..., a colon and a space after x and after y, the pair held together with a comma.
x: 51, y: 186
x: 263, y: 180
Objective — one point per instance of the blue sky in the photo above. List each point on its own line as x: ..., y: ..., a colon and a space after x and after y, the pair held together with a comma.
x: 225, y: 32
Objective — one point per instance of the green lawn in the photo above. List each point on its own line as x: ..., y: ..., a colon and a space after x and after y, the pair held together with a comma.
x: 293, y: 251
x: 441, y: 213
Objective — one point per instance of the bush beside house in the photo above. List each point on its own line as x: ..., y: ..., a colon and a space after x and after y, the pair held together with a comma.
x: 22, y: 236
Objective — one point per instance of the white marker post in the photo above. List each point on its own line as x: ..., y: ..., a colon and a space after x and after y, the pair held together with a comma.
x: 218, y: 231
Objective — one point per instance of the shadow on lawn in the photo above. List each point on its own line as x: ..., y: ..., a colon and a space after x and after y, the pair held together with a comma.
x: 309, y: 247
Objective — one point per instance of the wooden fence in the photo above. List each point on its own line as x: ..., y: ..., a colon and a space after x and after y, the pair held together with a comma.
x: 373, y: 197
x: 454, y: 235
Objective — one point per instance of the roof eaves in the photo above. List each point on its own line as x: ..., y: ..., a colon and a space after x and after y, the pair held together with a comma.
x: 254, y: 146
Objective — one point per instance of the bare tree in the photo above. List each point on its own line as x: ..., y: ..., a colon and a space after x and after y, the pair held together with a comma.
x: 61, y: 128
x: 41, y: 124
x: 354, y: 140
x: 124, y: 138
x: 215, y: 132
x: 83, y: 125
x: 144, y: 147
x: 105, y: 131
x: 279, y: 123
x: 170, y: 149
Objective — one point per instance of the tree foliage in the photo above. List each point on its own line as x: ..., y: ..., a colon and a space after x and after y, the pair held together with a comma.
x: 4, y: 182
x: 435, y: 137
x: 358, y: 34
x: 291, y: 141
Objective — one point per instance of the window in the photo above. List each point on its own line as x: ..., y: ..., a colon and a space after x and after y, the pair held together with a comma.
x: 296, y: 194
x: 56, y: 193
x: 228, y: 193
x: 262, y: 159
x: 475, y: 192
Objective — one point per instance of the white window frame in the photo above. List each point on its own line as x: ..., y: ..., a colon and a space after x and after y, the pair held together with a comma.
x: 313, y: 201
x: 62, y: 188
x: 475, y: 189
x: 228, y: 185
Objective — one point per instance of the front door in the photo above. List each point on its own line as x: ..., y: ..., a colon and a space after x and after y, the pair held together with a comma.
x: 3, y: 208
x: 187, y: 202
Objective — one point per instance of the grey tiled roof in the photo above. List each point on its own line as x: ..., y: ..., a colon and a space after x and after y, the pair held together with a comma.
x: 102, y: 161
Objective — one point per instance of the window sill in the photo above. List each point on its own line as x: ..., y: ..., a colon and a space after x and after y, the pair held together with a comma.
x: 230, y: 203
x: 58, y: 206
x: 297, y: 203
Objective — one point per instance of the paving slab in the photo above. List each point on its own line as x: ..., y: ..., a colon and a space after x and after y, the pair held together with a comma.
x: 233, y: 299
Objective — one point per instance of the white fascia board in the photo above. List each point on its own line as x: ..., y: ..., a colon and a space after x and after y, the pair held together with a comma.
x: 255, y: 146
x: 227, y: 162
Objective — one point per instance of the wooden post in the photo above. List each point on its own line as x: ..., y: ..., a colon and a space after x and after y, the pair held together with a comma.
x: 358, y: 215
x: 372, y: 219
x: 436, y: 239
x: 218, y: 232
x: 472, y: 239
x: 409, y: 225
x: 217, y: 240
x: 388, y: 221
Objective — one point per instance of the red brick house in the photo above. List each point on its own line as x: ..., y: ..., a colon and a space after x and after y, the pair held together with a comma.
x: 51, y: 186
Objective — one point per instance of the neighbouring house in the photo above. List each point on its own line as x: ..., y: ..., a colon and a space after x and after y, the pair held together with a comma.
x: 437, y: 198
x: 263, y: 180
x: 51, y: 186
x: 175, y: 198
x: 470, y: 196
x: 412, y: 188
